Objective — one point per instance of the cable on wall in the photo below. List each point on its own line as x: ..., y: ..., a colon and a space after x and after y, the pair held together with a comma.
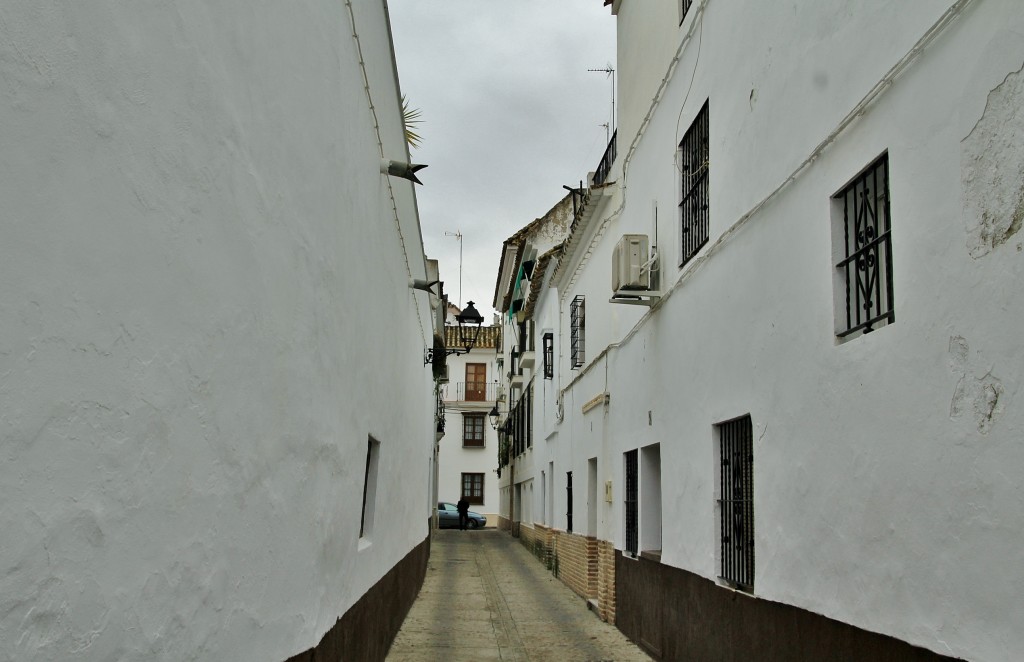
x: 698, y: 22
x: 380, y: 148
x: 936, y: 29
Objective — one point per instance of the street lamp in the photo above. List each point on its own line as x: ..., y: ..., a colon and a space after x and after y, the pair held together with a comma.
x: 493, y: 415
x: 469, y: 330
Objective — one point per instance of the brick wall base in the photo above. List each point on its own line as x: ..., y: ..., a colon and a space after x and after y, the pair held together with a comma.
x: 583, y: 563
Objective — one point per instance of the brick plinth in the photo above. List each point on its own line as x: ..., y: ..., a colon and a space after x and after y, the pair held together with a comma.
x: 606, y: 581
x: 583, y: 563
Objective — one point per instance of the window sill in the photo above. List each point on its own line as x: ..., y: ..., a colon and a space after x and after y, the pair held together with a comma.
x: 651, y: 555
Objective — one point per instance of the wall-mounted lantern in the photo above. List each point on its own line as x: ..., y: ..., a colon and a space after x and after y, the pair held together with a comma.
x: 469, y: 330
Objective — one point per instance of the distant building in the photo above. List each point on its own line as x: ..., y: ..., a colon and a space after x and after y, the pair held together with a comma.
x: 774, y: 411
x: 468, y: 455
x: 215, y: 421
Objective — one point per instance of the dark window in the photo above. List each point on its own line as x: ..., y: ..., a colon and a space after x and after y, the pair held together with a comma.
x: 369, y: 487
x: 631, y: 502
x: 473, y: 488
x: 521, y: 422
x: 737, y: 503
x: 693, y: 207
x: 568, y: 501
x: 683, y: 8
x: 577, y: 324
x: 865, y: 268
x: 549, y: 356
x: 473, y: 430
x: 528, y: 414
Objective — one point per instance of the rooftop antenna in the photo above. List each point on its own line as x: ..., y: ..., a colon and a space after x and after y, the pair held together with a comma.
x: 458, y: 235
x: 611, y: 74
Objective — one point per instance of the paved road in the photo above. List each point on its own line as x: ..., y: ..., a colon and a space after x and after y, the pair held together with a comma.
x: 485, y: 597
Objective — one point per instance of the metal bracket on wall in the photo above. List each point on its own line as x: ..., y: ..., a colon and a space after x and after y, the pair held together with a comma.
x: 636, y: 297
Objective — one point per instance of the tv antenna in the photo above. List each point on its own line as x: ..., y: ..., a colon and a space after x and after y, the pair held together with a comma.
x: 458, y: 235
x: 610, y: 71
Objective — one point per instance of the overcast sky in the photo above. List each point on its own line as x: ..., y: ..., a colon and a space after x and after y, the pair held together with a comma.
x: 509, y: 114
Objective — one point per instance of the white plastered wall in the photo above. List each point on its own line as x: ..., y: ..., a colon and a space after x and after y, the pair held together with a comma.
x: 202, y: 277
x: 884, y: 490
x: 454, y: 459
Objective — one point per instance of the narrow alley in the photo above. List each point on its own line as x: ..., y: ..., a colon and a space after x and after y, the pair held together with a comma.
x: 486, y: 598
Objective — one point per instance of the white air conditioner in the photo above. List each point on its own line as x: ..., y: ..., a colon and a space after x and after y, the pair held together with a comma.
x: 629, y: 255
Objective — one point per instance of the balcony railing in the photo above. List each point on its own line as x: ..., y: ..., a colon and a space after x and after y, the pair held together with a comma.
x: 470, y: 391
x: 605, y: 166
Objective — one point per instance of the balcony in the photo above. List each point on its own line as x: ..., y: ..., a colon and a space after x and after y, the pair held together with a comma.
x: 605, y: 167
x: 470, y: 391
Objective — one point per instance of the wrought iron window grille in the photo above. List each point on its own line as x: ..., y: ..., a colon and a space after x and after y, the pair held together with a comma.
x: 577, y: 331
x: 694, y: 164
x: 865, y: 270
x: 736, y: 506
x: 549, y: 356
x: 683, y: 9
x: 632, y: 503
x: 568, y: 501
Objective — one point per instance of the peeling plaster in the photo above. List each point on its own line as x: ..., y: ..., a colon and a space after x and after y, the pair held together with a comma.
x: 980, y: 397
x: 992, y: 169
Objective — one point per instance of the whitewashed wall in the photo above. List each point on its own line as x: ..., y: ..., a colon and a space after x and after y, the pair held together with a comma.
x: 887, y: 484
x: 204, y: 313
x: 453, y: 458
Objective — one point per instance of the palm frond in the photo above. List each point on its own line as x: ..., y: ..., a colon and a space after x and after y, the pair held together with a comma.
x: 411, y: 118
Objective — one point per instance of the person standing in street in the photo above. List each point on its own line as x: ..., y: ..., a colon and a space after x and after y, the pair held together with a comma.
x: 463, y: 508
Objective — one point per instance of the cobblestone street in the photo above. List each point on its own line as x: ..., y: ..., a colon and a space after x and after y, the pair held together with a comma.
x: 485, y: 597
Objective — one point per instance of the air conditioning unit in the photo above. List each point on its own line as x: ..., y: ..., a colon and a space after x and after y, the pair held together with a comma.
x: 629, y: 255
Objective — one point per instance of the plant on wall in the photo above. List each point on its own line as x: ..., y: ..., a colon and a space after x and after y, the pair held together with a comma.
x: 411, y: 118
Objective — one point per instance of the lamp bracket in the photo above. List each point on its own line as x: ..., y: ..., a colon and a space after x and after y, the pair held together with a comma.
x: 428, y: 353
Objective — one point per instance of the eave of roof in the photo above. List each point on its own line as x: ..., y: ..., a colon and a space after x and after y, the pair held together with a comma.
x: 579, y: 227
x: 518, y: 240
x: 489, y: 338
x: 538, y: 278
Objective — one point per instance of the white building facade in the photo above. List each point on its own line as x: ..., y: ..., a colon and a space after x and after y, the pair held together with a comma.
x: 468, y: 453
x: 216, y: 425
x: 799, y: 438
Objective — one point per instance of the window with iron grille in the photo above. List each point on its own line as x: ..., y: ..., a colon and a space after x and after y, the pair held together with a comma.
x: 577, y: 330
x: 684, y: 7
x: 549, y: 356
x: 473, y: 430
x: 568, y: 501
x: 528, y: 424
x: 693, y: 167
x: 861, y: 232
x: 473, y: 488
x: 736, y: 505
x: 632, y: 494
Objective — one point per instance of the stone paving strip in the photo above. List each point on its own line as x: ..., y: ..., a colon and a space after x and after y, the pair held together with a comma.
x: 485, y: 597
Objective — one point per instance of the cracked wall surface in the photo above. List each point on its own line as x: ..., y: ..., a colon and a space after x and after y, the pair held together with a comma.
x: 992, y: 169
x: 977, y: 397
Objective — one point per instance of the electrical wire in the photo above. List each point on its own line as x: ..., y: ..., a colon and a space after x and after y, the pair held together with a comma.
x: 936, y: 29
x: 380, y: 147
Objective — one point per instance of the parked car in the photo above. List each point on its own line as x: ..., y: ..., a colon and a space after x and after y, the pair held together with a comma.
x: 448, y: 517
